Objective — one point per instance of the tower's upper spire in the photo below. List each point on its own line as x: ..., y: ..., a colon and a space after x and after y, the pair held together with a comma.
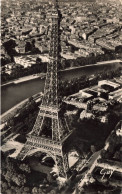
x: 56, y: 3
x: 55, y: 11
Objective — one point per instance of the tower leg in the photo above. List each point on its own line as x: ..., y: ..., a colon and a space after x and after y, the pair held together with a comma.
x: 62, y: 165
x: 24, y: 152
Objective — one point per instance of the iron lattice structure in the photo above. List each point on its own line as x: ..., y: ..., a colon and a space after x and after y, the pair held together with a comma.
x: 50, y: 109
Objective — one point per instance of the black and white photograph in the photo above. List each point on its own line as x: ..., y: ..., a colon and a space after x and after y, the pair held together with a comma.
x: 61, y: 97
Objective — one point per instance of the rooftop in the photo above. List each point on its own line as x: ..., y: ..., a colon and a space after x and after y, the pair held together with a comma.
x: 110, y: 83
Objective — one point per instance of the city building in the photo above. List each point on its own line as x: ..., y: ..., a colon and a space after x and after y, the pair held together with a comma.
x: 116, y: 95
x: 29, y: 60
x: 85, y: 114
x: 109, y: 83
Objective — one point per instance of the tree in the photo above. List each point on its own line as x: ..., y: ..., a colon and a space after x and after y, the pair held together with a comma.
x: 28, y: 47
x: 118, y: 49
x: 117, y: 155
x: 10, y: 191
x: 63, y: 64
x: 93, y: 149
x: 53, y: 192
x: 26, y: 189
x: 25, y: 168
x: 113, y: 119
x: 31, y: 99
x: 9, y: 46
x: 35, y: 190
x: 38, y: 61
x: 4, y: 186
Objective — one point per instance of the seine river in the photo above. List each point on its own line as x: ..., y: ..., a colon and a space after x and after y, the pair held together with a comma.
x: 15, y: 93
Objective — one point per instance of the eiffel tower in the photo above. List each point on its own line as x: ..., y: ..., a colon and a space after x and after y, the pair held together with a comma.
x: 50, y: 119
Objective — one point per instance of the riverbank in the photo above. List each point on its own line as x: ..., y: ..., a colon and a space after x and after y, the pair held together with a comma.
x: 24, y: 79
x: 42, y: 75
x: 13, y: 94
x: 13, y: 111
x: 96, y: 64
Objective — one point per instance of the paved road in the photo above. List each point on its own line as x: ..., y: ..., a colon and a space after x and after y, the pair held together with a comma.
x: 82, y: 177
x: 91, y: 163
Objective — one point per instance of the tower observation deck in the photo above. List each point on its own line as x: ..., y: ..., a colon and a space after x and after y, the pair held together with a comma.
x: 50, y: 129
